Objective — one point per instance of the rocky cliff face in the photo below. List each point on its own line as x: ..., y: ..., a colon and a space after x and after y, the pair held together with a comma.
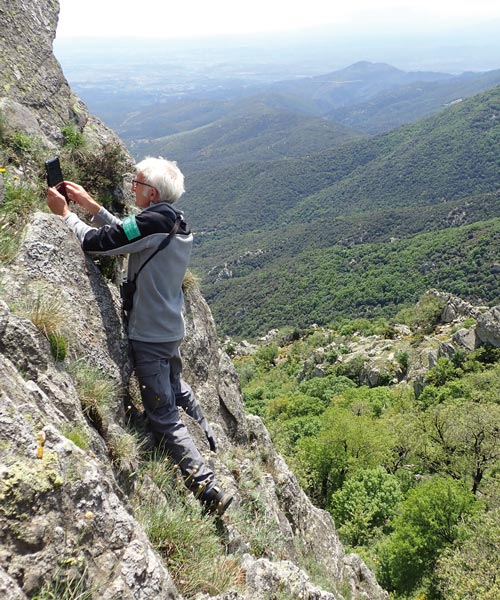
x: 70, y: 505
x: 35, y: 97
x: 67, y: 488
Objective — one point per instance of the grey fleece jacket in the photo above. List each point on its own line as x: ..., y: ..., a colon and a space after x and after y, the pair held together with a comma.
x: 156, y: 315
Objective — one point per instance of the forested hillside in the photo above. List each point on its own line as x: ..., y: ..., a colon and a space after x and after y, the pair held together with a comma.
x: 254, y: 130
x: 392, y: 108
x: 294, y: 229
x: 394, y: 428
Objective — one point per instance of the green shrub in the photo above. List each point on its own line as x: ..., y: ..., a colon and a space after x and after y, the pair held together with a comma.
x: 266, y: 356
x: 21, y: 143
x: 100, y: 173
x: 443, y: 372
x: 72, y: 136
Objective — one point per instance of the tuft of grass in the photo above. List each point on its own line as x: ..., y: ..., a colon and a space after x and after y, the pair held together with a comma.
x: 73, y: 137
x: 21, y: 200
x: 66, y: 586
x: 2, y: 126
x: 186, y: 539
x: 58, y: 346
x: 9, y: 239
x: 47, y: 312
x: 78, y: 435
x: 124, y: 449
x: 96, y: 390
x: 191, y: 282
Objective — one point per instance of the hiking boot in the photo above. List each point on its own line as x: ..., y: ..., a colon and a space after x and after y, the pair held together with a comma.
x: 215, y: 501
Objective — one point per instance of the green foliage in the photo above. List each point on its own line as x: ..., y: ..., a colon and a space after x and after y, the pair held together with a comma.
x: 124, y: 449
x: 58, y: 345
x: 377, y: 458
x: 429, y: 521
x: 97, y: 391
x: 403, y: 359
x: 47, y: 312
x: 21, y: 143
x: 78, y: 435
x: 443, y: 372
x: 73, y: 137
x: 365, y: 400
x: 425, y: 315
x: 347, y: 442
x: 365, y: 504
x: 364, y: 326
x: 100, y: 171
x: 21, y: 199
x: 325, y: 388
x: 2, y: 127
x: 469, y: 569
x: 461, y: 439
x: 476, y: 379
x: 266, y: 356
x: 19, y: 148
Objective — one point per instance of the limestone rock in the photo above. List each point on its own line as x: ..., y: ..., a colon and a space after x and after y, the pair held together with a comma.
x: 64, y: 507
x: 266, y: 579
x: 488, y: 327
x: 34, y: 93
x: 466, y: 338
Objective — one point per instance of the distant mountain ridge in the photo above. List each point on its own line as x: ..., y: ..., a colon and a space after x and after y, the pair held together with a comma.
x: 359, y: 81
x: 395, y: 107
x: 314, y: 114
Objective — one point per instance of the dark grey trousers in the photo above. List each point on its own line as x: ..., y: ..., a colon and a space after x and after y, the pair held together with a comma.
x: 158, y: 367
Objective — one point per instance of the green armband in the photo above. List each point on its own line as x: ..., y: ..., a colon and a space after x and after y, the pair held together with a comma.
x: 130, y: 228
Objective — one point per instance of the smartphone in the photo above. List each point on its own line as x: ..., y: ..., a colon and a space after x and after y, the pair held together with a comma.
x: 54, y: 175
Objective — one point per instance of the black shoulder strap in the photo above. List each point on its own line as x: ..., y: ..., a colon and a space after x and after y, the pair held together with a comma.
x: 164, y: 244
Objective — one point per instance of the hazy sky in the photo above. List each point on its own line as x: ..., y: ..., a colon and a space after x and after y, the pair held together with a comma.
x: 194, y: 18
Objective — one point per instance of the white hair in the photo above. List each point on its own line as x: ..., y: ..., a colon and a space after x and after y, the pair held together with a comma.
x: 164, y: 175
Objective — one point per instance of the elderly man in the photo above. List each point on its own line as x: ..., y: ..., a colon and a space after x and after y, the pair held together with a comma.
x: 159, y: 243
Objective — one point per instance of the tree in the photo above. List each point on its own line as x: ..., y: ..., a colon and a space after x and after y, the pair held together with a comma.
x: 470, y: 568
x: 461, y: 440
x: 347, y: 442
x: 365, y: 503
x: 428, y: 523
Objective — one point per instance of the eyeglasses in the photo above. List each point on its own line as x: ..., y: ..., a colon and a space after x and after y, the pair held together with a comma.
x: 136, y: 182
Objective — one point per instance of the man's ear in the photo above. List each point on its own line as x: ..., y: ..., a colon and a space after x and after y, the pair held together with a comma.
x: 154, y: 196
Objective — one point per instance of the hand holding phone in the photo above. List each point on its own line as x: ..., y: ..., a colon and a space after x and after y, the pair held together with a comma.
x: 54, y: 176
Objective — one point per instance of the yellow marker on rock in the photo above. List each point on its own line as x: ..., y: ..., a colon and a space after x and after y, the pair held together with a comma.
x: 41, y: 442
